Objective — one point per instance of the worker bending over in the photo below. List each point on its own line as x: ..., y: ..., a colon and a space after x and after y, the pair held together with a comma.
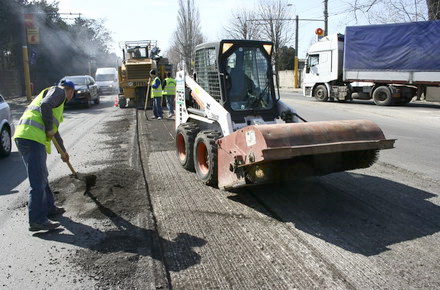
x: 36, y: 128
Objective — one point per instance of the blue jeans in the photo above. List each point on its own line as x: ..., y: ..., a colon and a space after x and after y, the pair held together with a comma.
x: 170, y: 104
x: 41, y: 199
x: 157, y: 107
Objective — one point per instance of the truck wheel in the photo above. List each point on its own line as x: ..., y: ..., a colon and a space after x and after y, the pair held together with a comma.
x: 321, y: 93
x: 5, y: 141
x: 122, y: 102
x: 382, y: 96
x: 185, y: 136
x: 205, y: 156
x: 97, y: 100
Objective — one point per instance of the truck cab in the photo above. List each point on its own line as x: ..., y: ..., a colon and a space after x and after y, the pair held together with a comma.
x: 323, y: 67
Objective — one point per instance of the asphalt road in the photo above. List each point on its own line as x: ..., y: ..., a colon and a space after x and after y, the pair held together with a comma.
x: 149, y: 224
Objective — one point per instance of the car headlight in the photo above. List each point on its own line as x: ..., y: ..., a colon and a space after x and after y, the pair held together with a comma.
x: 111, y: 86
x: 80, y: 92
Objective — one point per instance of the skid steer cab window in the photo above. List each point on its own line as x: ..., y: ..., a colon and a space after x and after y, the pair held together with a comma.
x: 248, y: 84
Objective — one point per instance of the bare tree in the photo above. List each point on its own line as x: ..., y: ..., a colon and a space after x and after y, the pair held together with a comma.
x: 188, y: 33
x: 175, y: 57
x: 433, y: 9
x: 391, y: 11
x: 242, y: 24
x: 275, y: 25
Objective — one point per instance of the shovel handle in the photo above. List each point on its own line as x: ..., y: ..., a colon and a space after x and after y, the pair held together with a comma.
x: 148, y: 95
x: 60, y: 150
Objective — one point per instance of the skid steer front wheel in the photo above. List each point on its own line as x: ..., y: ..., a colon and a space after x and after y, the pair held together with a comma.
x: 205, y: 156
x: 185, y: 135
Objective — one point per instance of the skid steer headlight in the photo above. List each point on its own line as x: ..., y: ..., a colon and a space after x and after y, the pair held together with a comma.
x: 130, y: 84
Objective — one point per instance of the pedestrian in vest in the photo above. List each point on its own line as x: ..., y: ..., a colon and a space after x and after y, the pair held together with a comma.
x: 156, y: 95
x: 169, y: 91
x: 36, y: 128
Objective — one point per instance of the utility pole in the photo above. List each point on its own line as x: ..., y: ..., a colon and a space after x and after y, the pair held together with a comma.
x: 295, y: 65
x: 325, y: 17
x: 25, y: 53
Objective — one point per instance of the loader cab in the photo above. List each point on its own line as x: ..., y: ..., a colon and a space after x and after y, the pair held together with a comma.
x: 137, y: 52
x: 238, y: 73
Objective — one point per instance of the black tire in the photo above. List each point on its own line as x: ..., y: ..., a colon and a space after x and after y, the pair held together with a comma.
x: 122, y: 102
x: 321, y: 93
x: 5, y: 141
x: 185, y: 136
x: 205, y: 157
x: 382, y: 96
x: 88, y: 103
x: 98, y: 100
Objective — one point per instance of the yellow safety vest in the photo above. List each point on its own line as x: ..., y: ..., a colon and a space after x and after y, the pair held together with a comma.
x: 31, y: 125
x: 170, y: 87
x: 156, y: 93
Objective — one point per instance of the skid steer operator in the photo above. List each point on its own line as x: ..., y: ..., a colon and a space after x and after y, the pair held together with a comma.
x: 243, y: 92
x: 38, y: 124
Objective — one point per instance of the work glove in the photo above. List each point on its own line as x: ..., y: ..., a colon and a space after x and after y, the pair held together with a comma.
x: 50, y: 133
x: 65, y: 157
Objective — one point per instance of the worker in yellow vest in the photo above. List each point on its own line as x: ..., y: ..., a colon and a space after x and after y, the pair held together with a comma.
x: 169, y: 91
x: 35, y: 130
x: 156, y: 95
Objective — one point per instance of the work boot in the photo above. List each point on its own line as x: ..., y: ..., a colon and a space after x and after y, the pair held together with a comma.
x: 46, y: 226
x: 56, y: 211
x: 159, y: 118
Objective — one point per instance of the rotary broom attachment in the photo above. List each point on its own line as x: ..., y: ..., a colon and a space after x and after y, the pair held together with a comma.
x: 279, y: 152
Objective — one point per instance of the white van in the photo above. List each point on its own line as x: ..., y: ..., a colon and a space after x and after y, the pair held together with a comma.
x: 107, y: 80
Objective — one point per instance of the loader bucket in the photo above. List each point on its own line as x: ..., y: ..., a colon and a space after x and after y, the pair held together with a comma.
x: 270, y: 153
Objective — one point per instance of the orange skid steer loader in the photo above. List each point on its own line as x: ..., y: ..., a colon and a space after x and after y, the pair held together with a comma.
x: 233, y: 130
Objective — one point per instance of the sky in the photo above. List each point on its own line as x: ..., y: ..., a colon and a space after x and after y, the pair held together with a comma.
x: 156, y: 20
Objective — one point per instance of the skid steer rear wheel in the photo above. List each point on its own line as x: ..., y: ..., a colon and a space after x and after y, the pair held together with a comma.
x: 185, y: 135
x: 205, y: 156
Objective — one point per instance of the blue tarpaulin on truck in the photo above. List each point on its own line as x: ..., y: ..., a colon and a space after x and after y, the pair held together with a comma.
x: 413, y: 46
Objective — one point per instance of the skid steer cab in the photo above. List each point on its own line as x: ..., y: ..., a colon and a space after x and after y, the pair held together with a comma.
x: 233, y: 131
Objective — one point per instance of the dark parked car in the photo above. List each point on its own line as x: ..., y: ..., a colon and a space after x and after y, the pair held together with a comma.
x: 6, y: 128
x: 86, y: 90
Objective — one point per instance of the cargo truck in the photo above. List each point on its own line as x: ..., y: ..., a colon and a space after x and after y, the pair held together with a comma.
x: 389, y: 63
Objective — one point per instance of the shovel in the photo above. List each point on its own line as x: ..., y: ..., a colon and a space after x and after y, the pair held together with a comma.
x: 90, y: 180
x: 146, y: 98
